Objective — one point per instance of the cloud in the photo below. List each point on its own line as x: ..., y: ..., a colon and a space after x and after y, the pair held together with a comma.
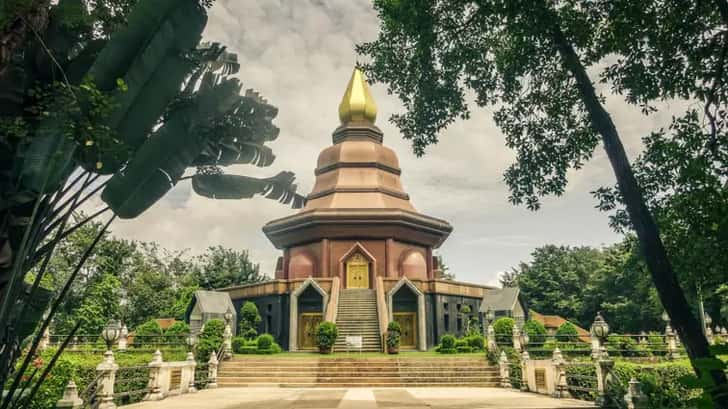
x: 299, y: 54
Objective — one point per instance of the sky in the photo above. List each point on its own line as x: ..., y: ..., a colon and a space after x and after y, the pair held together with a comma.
x: 299, y: 55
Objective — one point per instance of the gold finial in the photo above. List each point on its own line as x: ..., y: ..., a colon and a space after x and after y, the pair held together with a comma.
x: 357, y: 104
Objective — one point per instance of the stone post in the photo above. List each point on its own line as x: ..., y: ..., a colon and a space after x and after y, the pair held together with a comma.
x: 227, y: 352
x: 724, y: 334
x: 70, y: 399
x: 155, y: 369
x: 191, y: 365
x: 634, y: 397
x: 561, y: 389
x: 524, y: 373
x: 492, y: 345
x: 604, y: 367
x: 45, y: 341
x: 123, y: 338
x: 105, y: 390
x: 672, y: 352
x: 516, y: 338
x: 212, y: 371
x: 709, y: 335
x: 505, y: 378
x: 74, y: 343
x: 596, y: 346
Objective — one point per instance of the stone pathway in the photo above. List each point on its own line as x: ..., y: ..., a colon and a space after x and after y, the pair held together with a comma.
x: 360, y: 398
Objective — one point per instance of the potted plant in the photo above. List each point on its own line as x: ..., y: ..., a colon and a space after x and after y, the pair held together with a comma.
x: 394, y: 331
x: 326, y: 334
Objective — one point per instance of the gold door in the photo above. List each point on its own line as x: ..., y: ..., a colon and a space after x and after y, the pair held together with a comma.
x: 407, y: 323
x: 357, y: 272
x: 307, y: 325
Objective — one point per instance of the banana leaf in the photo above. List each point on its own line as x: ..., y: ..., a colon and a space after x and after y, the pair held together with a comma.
x: 49, y: 157
x: 221, y: 186
x: 116, y: 58
x: 163, y: 158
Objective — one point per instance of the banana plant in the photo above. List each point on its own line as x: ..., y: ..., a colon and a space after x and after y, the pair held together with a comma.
x: 126, y: 116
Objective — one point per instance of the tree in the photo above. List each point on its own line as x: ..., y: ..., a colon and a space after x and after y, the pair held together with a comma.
x: 536, y: 333
x: 567, y: 332
x: 222, y: 267
x: 249, y: 320
x: 503, y: 328
x: 99, y: 304
x: 578, y: 282
x: 149, y: 295
x: 83, y: 111
x: 532, y: 60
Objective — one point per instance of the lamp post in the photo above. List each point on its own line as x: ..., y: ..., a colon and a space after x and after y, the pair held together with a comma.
x: 489, y: 331
x: 599, y: 331
x: 191, y: 341
x: 110, y: 333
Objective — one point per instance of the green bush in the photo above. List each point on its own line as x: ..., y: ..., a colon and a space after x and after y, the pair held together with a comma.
x: 265, y: 341
x: 177, y: 334
x: 462, y: 342
x: 536, y: 333
x: 618, y: 345
x: 567, y: 333
x: 582, y: 376
x: 249, y: 319
x: 464, y: 348
x: 238, y: 343
x: 210, y: 339
x: 660, y: 383
x: 503, y: 328
x: 447, y: 345
x: 326, y: 335
x: 656, y: 344
x: 148, y: 334
x: 393, y: 326
x: 476, y: 342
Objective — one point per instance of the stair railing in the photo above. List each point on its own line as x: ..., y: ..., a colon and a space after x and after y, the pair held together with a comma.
x: 382, y: 312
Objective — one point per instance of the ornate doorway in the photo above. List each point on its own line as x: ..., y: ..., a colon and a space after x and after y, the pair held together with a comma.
x: 408, y: 324
x: 357, y: 272
x: 307, y: 324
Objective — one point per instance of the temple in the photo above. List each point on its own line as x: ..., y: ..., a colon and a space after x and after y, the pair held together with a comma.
x: 360, y: 254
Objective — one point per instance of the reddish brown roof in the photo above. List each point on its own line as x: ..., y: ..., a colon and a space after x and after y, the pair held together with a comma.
x: 555, y: 321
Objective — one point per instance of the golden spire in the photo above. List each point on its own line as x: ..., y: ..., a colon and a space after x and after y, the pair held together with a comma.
x: 357, y: 104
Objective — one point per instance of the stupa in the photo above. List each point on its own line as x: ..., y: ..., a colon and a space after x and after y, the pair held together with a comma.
x: 360, y: 254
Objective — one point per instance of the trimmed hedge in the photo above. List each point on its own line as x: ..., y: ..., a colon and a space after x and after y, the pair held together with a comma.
x: 503, y: 328
x: 536, y: 333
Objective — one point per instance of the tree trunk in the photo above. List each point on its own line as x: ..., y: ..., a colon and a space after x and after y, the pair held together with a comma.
x: 665, y: 279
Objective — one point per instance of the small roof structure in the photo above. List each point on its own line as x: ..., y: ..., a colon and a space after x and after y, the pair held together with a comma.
x: 212, y: 305
x: 500, y: 299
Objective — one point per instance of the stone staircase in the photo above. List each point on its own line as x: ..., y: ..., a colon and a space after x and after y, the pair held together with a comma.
x: 357, y: 315
x: 357, y: 372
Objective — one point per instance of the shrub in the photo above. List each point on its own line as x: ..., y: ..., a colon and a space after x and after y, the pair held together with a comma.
x: 503, y: 328
x: 473, y: 327
x: 447, y: 345
x: 656, y: 344
x: 326, y: 335
x: 660, y: 383
x: 461, y: 342
x: 210, y: 339
x: 394, y: 332
x: 249, y: 319
x: 567, y: 333
x: 394, y: 327
x: 464, y: 348
x: 265, y: 341
x: 177, y: 334
x: 238, y: 343
x: 536, y: 333
x: 476, y: 342
x: 618, y: 345
x: 148, y: 334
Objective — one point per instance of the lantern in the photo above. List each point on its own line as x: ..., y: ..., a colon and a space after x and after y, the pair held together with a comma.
x: 489, y: 315
x: 110, y: 333
x: 191, y: 342
x: 600, y: 328
x: 228, y: 316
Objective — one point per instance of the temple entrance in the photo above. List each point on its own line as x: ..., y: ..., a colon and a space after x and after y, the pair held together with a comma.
x: 357, y: 272
x: 408, y: 323
x: 307, y: 324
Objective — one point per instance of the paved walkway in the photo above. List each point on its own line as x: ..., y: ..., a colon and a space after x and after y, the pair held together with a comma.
x: 360, y: 398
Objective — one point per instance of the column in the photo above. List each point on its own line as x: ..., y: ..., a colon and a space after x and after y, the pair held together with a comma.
x: 505, y: 378
x: 325, y: 258
x: 603, y: 368
x: 107, y: 371
x: 524, y: 371
x: 190, y: 366
x: 672, y: 352
x: 155, y: 378
x: 492, y: 345
x: 227, y: 340
x: 389, y: 270
x: 70, y: 399
x: 212, y: 371
x: 123, y: 338
x: 516, y: 338
x: 561, y: 388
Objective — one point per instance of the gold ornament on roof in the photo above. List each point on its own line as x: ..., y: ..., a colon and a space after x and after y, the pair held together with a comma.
x: 357, y: 105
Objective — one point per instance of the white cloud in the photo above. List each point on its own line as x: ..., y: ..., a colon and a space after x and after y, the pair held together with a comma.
x: 299, y: 55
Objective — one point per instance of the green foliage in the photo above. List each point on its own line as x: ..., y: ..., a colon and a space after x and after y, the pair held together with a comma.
x: 210, y: 340
x: 567, y: 333
x: 394, y: 334
x: 476, y: 342
x: 447, y: 344
x: 265, y: 341
x: 148, y: 334
x: 238, y: 343
x: 150, y: 293
x: 221, y: 267
x: 536, y: 333
x: 177, y: 334
x: 249, y: 319
x: 503, y: 328
x: 99, y: 304
x: 326, y: 335
x: 660, y: 383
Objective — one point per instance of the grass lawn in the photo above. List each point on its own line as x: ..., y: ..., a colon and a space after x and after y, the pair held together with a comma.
x: 337, y: 355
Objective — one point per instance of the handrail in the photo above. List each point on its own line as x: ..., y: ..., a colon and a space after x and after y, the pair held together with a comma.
x: 382, y: 312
